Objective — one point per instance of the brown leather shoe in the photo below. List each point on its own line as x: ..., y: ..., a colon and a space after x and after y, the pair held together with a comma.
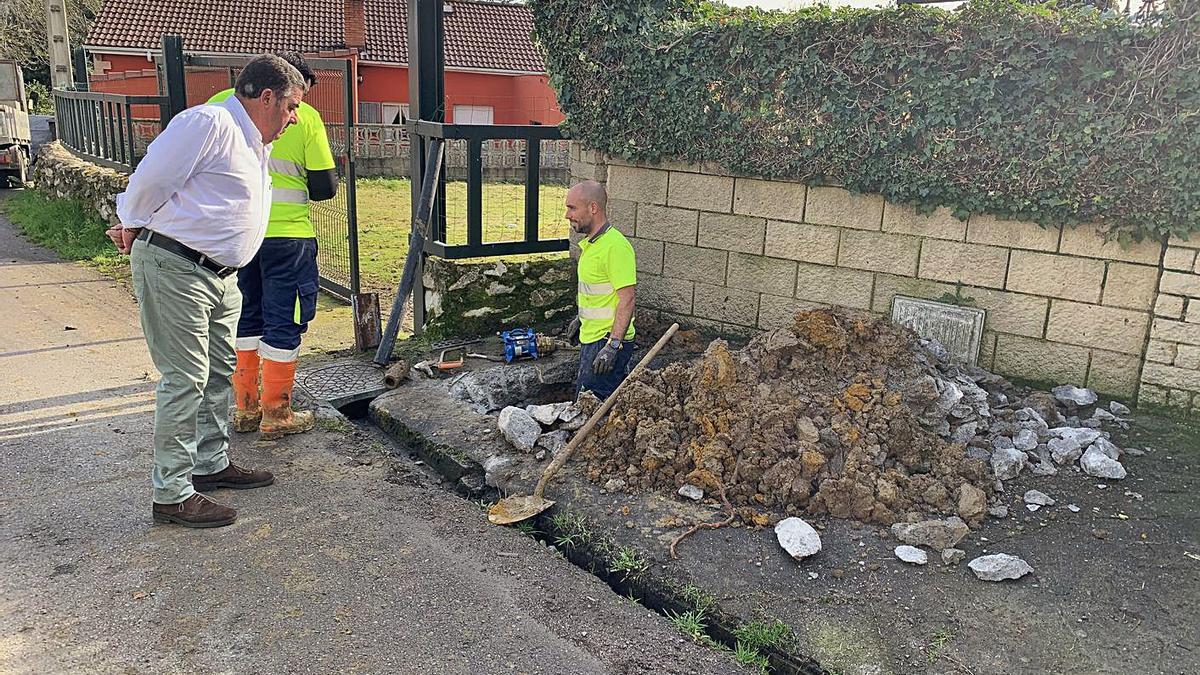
x: 195, y: 511
x: 233, y: 477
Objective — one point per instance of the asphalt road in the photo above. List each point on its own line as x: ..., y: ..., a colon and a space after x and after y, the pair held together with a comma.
x: 354, y: 561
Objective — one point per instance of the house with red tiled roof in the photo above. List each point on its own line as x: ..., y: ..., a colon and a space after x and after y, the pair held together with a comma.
x: 494, y: 72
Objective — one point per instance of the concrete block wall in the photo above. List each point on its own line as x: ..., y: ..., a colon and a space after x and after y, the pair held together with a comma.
x: 1171, y: 376
x: 742, y: 254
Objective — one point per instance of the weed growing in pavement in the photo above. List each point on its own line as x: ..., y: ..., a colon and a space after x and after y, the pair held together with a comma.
x: 527, y: 528
x: 698, y: 598
x: 690, y: 624
x: 937, y: 641
x: 758, y: 634
x: 749, y: 656
x: 572, y: 529
x: 628, y: 562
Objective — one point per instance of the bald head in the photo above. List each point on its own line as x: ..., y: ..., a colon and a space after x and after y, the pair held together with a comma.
x: 587, y: 203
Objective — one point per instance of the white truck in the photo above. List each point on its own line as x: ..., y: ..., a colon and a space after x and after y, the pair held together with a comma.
x: 14, y: 125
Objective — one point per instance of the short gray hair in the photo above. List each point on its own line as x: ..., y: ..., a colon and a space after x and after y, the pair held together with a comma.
x: 268, y: 72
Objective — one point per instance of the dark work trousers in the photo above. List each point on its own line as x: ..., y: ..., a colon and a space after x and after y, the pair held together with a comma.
x: 279, y: 292
x: 602, y: 385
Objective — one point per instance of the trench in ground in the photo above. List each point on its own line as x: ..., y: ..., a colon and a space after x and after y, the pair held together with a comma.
x: 465, y: 478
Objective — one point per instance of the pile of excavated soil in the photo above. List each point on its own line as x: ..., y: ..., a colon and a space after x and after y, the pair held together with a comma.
x: 818, y: 417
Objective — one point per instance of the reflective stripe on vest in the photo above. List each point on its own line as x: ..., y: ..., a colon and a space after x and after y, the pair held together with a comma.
x: 597, y: 313
x: 289, y: 196
x: 283, y: 167
x: 595, y: 289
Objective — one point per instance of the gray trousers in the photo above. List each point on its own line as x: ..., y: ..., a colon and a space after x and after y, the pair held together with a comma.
x: 189, y: 316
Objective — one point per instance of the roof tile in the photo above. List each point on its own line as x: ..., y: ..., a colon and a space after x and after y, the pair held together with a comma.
x: 479, y: 35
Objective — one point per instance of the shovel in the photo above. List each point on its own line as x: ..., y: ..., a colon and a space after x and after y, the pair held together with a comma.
x: 515, y: 509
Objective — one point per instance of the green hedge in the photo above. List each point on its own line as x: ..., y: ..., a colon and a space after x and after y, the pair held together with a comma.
x: 1023, y: 111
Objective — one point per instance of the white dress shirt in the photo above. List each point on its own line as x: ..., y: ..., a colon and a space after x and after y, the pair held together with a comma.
x: 204, y: 182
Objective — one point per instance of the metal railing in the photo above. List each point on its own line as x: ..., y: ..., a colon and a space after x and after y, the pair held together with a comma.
x: 105, y: 128
x: 475, y: 135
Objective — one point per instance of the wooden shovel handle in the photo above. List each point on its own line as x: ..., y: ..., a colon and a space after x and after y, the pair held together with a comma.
x: 609, y: 402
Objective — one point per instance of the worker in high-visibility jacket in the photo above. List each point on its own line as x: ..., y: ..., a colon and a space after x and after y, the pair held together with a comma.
x: 279, y: 286
x: 607, y: 271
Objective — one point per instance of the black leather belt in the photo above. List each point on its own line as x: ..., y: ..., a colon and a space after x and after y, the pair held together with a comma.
x: 168, y: 244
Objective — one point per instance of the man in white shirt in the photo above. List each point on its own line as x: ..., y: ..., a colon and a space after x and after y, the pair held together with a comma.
x: 195, y: 211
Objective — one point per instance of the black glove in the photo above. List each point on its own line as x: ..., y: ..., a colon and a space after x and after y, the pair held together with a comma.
x: 606, y: 359
x: 572, y: 334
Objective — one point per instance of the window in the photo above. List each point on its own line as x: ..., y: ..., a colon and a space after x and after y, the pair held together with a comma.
x: 473, y: 114
x: 395, y: 113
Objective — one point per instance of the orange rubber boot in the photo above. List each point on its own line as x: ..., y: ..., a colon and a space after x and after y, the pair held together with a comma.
x: 245, y: 392
x: 278, y: 418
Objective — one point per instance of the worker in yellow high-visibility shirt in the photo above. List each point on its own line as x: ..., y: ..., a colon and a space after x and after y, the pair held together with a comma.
x: 279, y: 286
x: 607, y: 271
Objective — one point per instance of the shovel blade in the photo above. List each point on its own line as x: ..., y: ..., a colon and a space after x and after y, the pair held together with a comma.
x: 515, y: 509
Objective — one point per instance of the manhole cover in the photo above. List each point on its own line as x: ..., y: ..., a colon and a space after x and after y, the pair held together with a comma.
x: 343, y: 382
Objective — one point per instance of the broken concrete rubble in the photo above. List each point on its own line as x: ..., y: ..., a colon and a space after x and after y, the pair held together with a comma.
x: 1096, y: 463
x: 999, y: 566
x: 1038, y: 497
x: 936, y: 534
x: 521, y: 430
x: 911, y: 555
x: 1007, y: 463
x: 1071, y: 395
x: 798, y: 538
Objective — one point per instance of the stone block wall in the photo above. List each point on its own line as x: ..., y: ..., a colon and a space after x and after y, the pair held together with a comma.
x: 473, y: 299
x: 61, y: 174
x: 742, y: 254
x: 1171, y: 376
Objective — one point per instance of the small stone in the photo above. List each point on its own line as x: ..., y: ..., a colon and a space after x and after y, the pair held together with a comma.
x: 540, y: 455
x: 496, y: 288
x: 1038, y: 497
x: 936, y: 534
x: 953, y: 556
x: 999, y: 566
x: 964, y: 433
x: 972, y: 502
x: 521, y: 430
x: 614, y: 485
x: 1118, y: 408
x: 1007, y: 463
x: 1064, y: 450
x: 1084, y: 437
x: 629, y: 524
x: 498, y: 270
x: 838, y: 573
x: 1135, y: 452
x: 798, y: 538
x: 911, y: 554
x: 554, y: 441
x: 1002, y: 443
x: 1096, y: 463
x: 1070, y: 395
x: 1072, y: 508
x: 1106, y: 446
x: 999, y: 511
x: 1044, y: 469
x: 546, y: 415
x: 691, y: 492
x: 1103, y: 415
x: 1031, y: 415
x: 1025, y: 440
x: 806, y: 431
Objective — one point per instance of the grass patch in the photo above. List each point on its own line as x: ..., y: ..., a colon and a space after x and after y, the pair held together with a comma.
x: 68, y: 228
x: 937, y: 642
x: 628, y: 562
x: 385, y: 221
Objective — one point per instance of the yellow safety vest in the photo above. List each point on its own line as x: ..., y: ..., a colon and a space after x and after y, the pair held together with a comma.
x: 605, y: 266
x: 303, y: 147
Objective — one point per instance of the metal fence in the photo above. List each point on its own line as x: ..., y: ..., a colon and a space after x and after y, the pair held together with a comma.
x: 111, y: 130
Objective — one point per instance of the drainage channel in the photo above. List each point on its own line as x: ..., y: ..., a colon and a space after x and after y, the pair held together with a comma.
x: 570, y: 536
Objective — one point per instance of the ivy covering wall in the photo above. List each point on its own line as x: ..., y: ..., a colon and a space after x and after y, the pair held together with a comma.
x: 1024, y: 111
